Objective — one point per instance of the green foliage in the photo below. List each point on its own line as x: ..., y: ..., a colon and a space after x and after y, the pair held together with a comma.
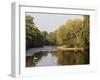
x: 36, y: 38
x: 68, y: 33
x: 52, y: 38
x: 60, y: 35
x: 85, y: 32
x: 45, y: 38
x: 33, y: 35
x: 74, y: 33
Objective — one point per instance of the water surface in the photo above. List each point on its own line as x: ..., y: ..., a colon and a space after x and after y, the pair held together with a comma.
x: 48, y: 57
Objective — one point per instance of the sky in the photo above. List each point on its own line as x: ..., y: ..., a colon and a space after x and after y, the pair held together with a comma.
x: 51, y: 22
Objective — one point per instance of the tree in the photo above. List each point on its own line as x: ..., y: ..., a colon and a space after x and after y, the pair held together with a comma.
x: 52, y: 38
x: 60, y: 35
x: 34, y: 37
x: 69, y: 33
x: 45, y: 37
x: 85, y: 32
x: 75, y: 27
x: 74, y: 33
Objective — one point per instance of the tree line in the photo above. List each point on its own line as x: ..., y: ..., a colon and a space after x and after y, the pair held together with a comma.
x: 74, y: 33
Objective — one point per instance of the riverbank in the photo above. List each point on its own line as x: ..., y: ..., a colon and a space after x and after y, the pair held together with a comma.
x: 70, y: 49
x: 30, y: 51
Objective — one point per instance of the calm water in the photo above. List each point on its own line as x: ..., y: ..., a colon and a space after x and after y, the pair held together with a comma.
x: 56, y: 58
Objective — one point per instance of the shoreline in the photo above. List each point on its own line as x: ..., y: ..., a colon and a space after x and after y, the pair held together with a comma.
x: 31, y: 51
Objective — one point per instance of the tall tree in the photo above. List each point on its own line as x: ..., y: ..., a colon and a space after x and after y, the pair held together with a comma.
x: 33, y: 35
x: 85, y: 31
x: 68, y: 34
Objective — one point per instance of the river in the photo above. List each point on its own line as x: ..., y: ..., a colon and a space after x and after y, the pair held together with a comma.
x: 51, y: 56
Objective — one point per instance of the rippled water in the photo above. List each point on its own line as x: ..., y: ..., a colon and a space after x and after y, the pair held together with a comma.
x: 56, y: 58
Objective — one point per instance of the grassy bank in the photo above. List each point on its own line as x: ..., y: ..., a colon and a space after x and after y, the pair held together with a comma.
x: 70, y: 49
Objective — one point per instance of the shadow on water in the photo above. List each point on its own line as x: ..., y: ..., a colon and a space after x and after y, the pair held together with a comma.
x: 59, y: 57
x: 32, y: 60
x: 72, y: 57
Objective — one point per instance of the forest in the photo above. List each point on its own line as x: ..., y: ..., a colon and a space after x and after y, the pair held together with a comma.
x: 73, y: 34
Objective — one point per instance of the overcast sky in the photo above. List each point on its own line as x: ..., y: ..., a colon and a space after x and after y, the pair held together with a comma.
x: 51, y: 22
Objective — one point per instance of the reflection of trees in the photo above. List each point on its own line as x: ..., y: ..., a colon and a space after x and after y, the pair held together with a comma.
x: 72, y: 57
x: 29, y: 61
x: 63, y: 57
x: 32, y: 60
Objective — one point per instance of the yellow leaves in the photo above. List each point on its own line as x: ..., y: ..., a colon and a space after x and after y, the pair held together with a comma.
x: 69, y: 32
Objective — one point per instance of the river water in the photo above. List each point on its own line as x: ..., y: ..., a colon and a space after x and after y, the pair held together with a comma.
x: 52, y: 57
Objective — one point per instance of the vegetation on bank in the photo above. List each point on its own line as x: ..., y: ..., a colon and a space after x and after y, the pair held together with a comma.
x: 74, y: 33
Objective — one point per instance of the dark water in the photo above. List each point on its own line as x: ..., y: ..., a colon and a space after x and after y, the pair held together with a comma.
x: 56, y: 58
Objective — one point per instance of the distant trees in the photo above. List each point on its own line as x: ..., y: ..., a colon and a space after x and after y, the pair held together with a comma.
x: 45, y: 37
x: 74, y: 33
x: 52, y: 38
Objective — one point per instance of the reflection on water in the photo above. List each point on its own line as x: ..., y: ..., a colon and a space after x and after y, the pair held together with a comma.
x: 59, y: 57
